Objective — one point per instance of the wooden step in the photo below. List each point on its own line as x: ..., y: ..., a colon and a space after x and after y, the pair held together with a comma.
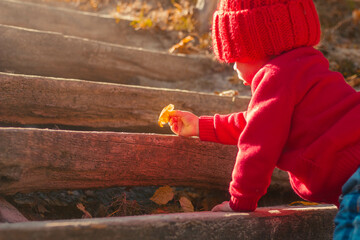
x: 34, y: 100
x: 36, y: 160
x: 8, y: 213
x: 101, y: 27
x: 282, y: 222
x: 104, y: 6
x: 34, y: 52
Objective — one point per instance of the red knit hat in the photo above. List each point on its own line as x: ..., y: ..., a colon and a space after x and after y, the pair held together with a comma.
x: 248, y: 30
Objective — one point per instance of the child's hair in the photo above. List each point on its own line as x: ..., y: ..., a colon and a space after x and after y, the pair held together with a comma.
x: 248, y: 30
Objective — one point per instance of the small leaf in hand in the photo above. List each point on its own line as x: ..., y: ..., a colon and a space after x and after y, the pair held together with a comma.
x: 164, y: 115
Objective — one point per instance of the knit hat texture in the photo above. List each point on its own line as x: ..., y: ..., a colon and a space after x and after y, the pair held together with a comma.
x: 248, y: 30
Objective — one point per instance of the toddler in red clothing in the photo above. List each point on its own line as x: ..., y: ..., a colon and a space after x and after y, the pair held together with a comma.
x: 302, y: 117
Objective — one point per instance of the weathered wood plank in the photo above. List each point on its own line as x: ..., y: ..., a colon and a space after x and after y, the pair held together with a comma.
x: 33, y: 100
x: 266, y: 223
x: 101, y: 27
x: 104, y: 6
x: 8, y: 213
x: 35, y: 160
x: 42, y: 53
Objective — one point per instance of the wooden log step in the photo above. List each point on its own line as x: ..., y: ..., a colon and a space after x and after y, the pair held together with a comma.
x: 101, y: 27
x: 34, y: 100
x: 102, y: 7
x: 42, y: 53
x: 8, y: 213
x: 33, y: 159
x: 40, y: 160
x: 265, y: 223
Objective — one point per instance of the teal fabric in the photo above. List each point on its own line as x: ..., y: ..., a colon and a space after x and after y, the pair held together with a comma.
x: 347, y: 221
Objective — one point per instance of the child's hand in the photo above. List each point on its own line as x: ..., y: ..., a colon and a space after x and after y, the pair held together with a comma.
x: 184, y: 124
x: 223, y: 207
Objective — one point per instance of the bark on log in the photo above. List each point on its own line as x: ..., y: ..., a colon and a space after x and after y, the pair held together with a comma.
x: 94, y: 26
x: 298, y: 223
x: 9, y: 214
x: 35, y: 160
x: 32, y: 100
x: 36, y: 52
x: 104, y: 6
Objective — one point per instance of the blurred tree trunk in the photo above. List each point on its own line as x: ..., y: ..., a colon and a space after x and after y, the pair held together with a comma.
x: 203, y: 14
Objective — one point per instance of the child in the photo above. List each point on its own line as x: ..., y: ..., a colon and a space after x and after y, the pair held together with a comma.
x: 302, y: 117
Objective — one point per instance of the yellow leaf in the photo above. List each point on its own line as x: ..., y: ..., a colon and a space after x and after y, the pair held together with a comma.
x: 176, y: 5
x: 118, y: 8
x: 186, y: 204
x: 356, y: 15
x: 181, y: 46
x: 353, y: 80
x: 303, y: 203
x: 163, y: 195
x: 164, y: 115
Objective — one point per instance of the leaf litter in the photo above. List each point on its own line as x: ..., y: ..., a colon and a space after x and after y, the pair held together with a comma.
x: 163, y: 195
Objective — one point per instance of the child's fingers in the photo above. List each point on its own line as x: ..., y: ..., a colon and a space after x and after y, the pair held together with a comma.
x: 174, y: 124
x: 175, y: 128
x: 179, y: 127
x: 177, y: 113
x: 173, y: 120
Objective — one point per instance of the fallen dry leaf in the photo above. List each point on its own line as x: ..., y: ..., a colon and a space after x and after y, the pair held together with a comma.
x: 142, y: 22
x: 228, y: 93
x: 353, y: 80
x: 181, y: 47
x: 163, y: 195
x: 164, y: 115
x: 81, y: 207
x: 42, y: 209
x: 186, y: 204
x: 356, y: 15
x: 303, y: 203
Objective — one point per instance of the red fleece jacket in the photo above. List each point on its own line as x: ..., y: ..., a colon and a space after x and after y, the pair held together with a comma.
x: 302, y: 118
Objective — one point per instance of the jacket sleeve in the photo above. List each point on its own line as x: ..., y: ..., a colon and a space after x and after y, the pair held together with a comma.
x: 224, y: 129
x: 261, y: 143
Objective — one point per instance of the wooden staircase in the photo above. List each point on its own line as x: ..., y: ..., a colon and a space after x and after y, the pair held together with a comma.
x: 79, y: 99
